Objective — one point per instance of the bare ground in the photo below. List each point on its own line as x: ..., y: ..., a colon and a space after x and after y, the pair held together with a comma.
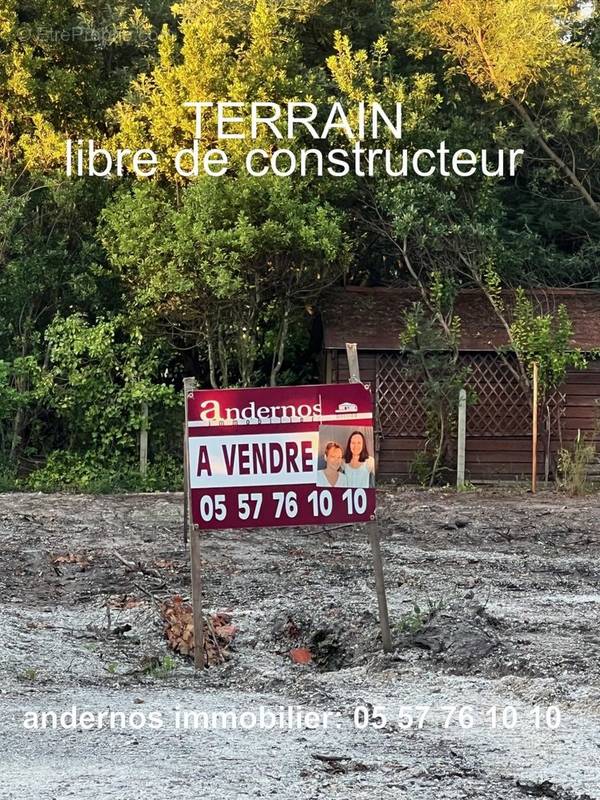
x: 507, y: 589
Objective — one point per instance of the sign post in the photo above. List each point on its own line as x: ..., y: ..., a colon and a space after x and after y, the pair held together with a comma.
x: 189, y: 385
x: 373, y: 528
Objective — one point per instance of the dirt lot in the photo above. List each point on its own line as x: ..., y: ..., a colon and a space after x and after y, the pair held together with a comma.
x: 494, y: 601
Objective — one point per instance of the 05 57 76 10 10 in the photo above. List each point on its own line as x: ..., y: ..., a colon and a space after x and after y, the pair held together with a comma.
x: 273, y: 506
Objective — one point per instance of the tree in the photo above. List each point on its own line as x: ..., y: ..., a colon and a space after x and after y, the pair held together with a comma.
x: 521, y: 52
x: 246, y: 52
x: 430, y: 340
x: 231, y: 270
x: 61, y: 66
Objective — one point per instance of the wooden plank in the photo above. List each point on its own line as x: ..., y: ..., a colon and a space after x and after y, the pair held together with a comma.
x: 189, y: 384
x: 367, y: 360
x: 498, y: 445
x: 570, y: 432
x: 353, y: 365
x: 335, y: 364
x: 144, y: 441
x: 373, y: 529
x: 586, y: 381
x: 592, y: 367
x: 482, y: 470
x: 328, y: 369
x: 367, y: 363
x: 499, y: 458
x: 585, y: 400
x: 581, y: 412
x: 401, y: 444
x: 391, y: 469
x: 367, y: 376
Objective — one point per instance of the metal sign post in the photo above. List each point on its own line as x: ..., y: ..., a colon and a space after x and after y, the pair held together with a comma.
x: 373, y: 529
x: 189, y: 384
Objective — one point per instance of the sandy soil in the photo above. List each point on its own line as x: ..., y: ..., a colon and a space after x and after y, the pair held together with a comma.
x: 494, y: 602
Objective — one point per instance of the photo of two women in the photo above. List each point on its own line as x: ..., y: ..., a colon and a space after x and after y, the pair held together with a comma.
x: 346, y: 457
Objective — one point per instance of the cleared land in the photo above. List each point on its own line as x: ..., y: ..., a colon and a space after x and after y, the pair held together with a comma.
x: 507, y: 596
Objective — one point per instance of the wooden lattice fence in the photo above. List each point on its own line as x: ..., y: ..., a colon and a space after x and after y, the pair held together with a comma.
x: 501, y: 408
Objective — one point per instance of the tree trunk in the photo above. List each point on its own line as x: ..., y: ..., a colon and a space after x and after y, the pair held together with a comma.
x: 211, y: 360
x: 280, y: 349
x: 223, y: 363
x: 16, y: 436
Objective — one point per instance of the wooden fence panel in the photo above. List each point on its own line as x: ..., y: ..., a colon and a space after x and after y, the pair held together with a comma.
x: 498, y: 424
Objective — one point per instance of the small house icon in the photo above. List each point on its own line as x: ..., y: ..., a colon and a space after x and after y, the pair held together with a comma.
x: 346, y: 408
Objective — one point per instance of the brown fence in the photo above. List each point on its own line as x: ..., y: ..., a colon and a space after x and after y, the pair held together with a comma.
x: 498, y: 423
x: 500, y: 408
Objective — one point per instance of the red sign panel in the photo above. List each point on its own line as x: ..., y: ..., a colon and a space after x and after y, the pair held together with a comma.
x: 296, y: 455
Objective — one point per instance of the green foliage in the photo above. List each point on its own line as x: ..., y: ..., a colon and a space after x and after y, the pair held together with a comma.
x: 544, y: 339
x: 503, y: 45
x: 430, y: 341
x: 412, y: 622
x: 160, y: 667
x: 99, y: 376
x: 111, y: 291
x: 420, y: 468
x: 527, y: 53
x: 8, y: 479
x: 234, y: 265
x: 72, y: 472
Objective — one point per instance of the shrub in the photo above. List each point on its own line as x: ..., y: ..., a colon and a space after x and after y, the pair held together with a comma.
x: 90, y: 473
x: 574, y: 465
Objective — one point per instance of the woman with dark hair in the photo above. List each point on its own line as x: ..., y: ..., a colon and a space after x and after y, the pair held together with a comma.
x: 359, y: 466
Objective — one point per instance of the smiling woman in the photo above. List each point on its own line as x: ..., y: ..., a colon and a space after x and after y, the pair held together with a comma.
x: 331, y: 476
x: 359, y: 466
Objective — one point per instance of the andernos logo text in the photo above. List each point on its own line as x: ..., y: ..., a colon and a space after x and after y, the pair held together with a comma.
x: 212, y: 412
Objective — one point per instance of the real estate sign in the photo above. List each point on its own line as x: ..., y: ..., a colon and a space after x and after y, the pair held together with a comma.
x: 298, y: 455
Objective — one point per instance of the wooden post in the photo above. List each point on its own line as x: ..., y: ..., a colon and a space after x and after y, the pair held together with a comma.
x: 462, y: 439
x: 186, y: 506
x: 373, y: 529
x: 189, y: 384
x: 534, y: 430
x: 144, y: 441
x: 353, y: 367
